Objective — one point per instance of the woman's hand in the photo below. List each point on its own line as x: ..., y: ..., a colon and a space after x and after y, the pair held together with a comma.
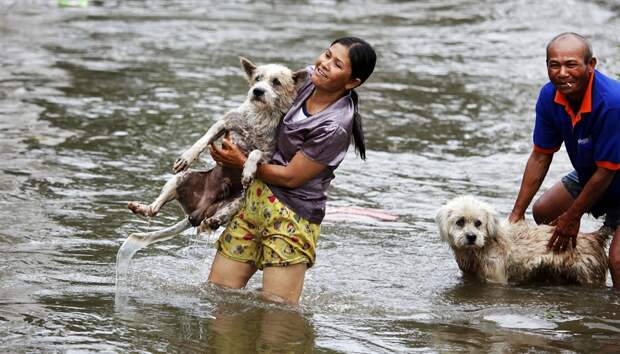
x: 229, y: 154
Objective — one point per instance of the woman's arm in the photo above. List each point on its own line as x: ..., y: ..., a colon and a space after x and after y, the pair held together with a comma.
x: 299, y: 171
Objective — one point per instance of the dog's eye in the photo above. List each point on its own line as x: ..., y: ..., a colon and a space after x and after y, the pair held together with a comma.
x: 477, y: 223
x: 275, y: 82
x: 460, y: 222
x: 258, y: 78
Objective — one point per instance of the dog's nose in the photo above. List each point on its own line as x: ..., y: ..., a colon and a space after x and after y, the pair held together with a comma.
x: 196, y: 217
x: 471, y: 238
x: 258, y: 92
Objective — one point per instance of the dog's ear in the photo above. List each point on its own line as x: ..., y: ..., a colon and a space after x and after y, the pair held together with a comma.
x: 442, y: 221
x: 248, y: 66
x: 299, y: 76
x: 492, y: 226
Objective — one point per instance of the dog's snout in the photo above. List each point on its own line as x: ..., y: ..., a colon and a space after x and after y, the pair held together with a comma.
x: 471, y: 238
x: 258, y: 92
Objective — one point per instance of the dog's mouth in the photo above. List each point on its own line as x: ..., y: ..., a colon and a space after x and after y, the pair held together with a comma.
x: 258, y: 99
x: 468, y: 244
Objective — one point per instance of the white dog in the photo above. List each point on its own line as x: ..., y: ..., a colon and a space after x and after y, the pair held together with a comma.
x: 499, y: 252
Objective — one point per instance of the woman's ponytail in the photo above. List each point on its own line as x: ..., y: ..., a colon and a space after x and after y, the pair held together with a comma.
x: 358, y: 131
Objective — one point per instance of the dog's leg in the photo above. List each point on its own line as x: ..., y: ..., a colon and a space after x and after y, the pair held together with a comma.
x: 168, y: 193
x: 191, y: 154
x: 250, y: 166
x: 222, y: 216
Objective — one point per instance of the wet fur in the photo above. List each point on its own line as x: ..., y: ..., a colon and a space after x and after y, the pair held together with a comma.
x: 210, y: 198
x: 499, y: 252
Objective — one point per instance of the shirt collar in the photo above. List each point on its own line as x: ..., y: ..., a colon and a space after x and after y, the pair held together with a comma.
x: 586, y: 103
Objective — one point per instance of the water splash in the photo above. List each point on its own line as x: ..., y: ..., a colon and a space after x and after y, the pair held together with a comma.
x: 137, y: 241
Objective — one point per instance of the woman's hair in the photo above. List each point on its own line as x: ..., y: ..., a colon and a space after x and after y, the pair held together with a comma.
x: 363, y: 59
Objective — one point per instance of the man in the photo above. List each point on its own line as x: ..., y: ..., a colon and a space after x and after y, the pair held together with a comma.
x: 580, y: 107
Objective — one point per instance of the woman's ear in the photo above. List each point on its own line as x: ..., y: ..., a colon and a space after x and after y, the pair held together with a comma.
x: 353, y: 83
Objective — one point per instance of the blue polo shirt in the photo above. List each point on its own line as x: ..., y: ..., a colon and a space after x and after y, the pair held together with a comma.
x: 591, y: 136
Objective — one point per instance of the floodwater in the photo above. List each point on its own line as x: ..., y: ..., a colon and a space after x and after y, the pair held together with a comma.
x: 96, y: 103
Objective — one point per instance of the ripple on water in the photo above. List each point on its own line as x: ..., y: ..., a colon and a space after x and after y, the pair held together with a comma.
x: 97, y: 102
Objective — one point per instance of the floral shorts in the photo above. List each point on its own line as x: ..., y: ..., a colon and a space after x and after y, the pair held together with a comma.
x: 267, y: 233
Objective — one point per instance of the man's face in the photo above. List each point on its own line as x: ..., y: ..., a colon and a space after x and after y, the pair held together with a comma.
x: 567, y: 68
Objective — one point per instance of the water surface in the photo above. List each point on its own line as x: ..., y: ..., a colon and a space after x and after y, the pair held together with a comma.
x: 97, y: 102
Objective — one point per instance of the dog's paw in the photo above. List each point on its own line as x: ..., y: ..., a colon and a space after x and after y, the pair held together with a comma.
x: 246, y: 180
x: 141, y: 209
x: 209, y: 224
x: 181, y: 164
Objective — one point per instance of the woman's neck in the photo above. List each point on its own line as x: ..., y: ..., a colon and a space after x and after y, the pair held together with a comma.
x: 321, y: 99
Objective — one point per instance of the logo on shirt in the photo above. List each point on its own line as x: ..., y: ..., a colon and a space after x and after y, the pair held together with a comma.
x: 583, y: 141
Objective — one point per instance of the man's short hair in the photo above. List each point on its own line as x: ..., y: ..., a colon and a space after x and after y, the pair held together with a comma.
x: 588, y: 54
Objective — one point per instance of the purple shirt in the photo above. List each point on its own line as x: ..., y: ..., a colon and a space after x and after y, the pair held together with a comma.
x: 324, y: 138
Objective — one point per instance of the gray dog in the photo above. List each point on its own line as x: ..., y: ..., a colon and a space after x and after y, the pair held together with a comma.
x: 210, y: 198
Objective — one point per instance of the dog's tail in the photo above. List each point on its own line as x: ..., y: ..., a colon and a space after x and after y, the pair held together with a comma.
x: 137, y: 241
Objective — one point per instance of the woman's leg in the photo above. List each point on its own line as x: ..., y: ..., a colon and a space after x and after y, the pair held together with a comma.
x: 230, y: 274
x: 553, y: 203
x: 284, y: 284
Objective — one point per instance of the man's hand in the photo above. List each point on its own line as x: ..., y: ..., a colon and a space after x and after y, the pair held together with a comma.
x: 565, y: 233
x: 229, y: 154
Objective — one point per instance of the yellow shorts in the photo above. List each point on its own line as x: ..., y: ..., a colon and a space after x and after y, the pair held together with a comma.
x: 267, y: 233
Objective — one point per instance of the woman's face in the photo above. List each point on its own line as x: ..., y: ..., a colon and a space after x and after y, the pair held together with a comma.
x: 332, y: 70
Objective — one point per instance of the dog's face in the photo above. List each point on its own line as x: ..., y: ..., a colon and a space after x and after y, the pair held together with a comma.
x: 465, y: 222
x: 272, y: 86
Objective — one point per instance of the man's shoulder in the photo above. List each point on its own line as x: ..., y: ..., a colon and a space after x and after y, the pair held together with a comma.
x: 606, y: 78
x: 608, y: 89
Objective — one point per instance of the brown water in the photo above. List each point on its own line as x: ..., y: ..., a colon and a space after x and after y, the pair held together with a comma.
x: 97, y: 102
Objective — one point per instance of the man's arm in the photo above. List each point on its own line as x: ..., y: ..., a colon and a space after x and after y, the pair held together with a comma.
x: 535, y: 172
x: 567, y: 224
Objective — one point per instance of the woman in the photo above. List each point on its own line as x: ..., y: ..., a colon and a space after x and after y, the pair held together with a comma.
x: 278, y: 226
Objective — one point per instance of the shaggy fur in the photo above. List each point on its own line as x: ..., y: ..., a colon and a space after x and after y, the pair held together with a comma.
x: 210, y: 198
x: 499, y: 252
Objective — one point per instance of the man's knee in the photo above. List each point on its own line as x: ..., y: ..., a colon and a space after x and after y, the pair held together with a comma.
x: 540, y: 212
x: 552, y: 204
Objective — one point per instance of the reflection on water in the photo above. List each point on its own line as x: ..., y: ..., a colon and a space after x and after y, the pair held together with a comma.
x: 97, y: 102
x: 237, y: 328
x: 237, y: 323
